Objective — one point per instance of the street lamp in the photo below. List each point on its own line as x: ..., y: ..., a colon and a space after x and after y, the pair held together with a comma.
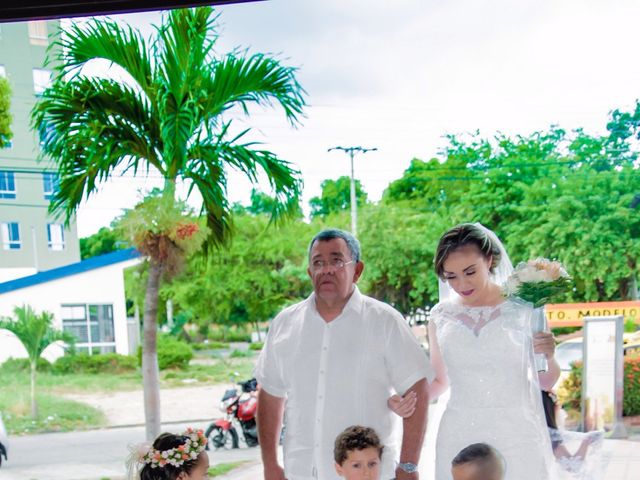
x: 352, y: 152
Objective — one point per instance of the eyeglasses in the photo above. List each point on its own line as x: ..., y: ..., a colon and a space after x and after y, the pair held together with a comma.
x: 335, y: 264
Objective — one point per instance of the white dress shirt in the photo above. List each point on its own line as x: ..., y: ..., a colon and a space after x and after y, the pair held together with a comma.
x: 337, y: 374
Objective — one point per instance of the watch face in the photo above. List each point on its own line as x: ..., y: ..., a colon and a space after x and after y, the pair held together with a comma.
x: 408, y: 467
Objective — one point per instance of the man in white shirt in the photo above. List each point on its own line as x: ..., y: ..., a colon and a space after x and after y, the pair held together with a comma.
x: 332, y: 361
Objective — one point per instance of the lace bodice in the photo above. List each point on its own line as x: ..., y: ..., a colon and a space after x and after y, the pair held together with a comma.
x: 486, y: 352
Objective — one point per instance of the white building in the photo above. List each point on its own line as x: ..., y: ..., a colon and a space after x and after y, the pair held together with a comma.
x: 87, y: 299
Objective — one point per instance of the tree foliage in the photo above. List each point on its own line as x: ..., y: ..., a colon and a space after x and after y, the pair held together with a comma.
x: 336, y: 196
x: 5, y: 113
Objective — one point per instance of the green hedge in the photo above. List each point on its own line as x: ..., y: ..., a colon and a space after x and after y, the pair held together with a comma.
x: 172, y: 353
x: 224, y: 333
x: 23, y: 365
x: 571, y: 389
x: 256, y: 346
x: 100, y: 363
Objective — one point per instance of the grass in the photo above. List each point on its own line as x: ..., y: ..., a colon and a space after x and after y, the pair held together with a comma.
x: 222, y: 468
x: 60, y: 414
x: 56, y: 414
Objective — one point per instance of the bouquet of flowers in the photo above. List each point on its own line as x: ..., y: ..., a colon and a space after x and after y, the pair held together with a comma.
x: 538, y: 281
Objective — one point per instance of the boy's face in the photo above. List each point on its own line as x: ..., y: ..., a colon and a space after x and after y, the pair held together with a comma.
x: 477, y: 471
x: 361, y: 465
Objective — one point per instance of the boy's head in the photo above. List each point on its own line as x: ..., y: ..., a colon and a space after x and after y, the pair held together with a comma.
x: 357, y: 453
x: 478, y: 461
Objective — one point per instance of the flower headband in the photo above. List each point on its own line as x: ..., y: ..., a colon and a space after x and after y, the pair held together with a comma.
x: 189, y: 450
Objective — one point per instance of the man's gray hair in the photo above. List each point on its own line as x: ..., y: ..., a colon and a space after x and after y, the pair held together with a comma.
x: 331, y: 233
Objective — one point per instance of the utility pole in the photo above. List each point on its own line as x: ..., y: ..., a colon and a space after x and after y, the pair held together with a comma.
x: 354, y: 212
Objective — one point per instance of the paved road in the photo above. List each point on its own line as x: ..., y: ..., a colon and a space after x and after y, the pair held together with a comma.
x: 89, y: 455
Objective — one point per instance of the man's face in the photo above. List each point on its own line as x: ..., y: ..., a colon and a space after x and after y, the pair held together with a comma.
x: 477, y: 471
x: 330, y: 283
x: 361, y: 465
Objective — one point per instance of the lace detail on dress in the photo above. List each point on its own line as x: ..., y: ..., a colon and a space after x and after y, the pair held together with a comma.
x: 473, y: 318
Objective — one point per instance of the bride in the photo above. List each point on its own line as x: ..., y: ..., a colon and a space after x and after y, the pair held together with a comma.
x: 482, y: 347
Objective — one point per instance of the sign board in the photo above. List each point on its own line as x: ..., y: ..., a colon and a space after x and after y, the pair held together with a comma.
x: 573, y: 314
x: 602, y: 375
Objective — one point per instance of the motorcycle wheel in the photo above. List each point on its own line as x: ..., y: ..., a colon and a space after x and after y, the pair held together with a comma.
x: 218, y: 438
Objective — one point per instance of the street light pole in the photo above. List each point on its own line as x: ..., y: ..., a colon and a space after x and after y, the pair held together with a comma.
x: 354, y: 208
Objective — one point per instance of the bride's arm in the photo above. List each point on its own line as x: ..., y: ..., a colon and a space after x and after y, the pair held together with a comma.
x: 440, y: 382
x: 544, y: 342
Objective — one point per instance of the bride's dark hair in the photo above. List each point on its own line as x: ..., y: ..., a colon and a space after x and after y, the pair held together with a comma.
x: 461, y: 236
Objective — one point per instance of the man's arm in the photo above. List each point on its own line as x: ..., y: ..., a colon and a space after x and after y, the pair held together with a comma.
x: 270, y: 412
x: 413, y: 429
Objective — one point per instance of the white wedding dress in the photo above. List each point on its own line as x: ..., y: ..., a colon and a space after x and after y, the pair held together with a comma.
x: 494, y: 390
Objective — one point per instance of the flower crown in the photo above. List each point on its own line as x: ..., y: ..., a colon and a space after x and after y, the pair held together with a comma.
x: 189, y: 450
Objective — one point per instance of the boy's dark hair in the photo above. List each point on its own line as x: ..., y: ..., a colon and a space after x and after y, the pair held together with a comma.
x: 477, y: 452
x: 167, y: 441
x: 355, y: 438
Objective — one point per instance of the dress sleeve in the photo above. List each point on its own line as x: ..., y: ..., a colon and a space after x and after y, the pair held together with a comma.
x: 406, y: 360
x: 268, y: 370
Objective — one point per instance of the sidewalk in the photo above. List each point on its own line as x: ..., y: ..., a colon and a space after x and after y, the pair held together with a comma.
x: 195, y: 405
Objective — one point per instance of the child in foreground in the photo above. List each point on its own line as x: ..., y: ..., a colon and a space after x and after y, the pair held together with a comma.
x: 357, y: 453
x: 478, y: 461
x: 171, y: 457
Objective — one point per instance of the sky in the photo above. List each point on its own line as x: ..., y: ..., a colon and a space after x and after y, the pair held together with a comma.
x: 399, y: 75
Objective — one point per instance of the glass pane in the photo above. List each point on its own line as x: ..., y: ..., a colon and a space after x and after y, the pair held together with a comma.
x: 77, y: 328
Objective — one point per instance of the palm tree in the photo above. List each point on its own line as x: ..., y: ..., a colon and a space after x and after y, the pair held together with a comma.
x: 172, y: 114
x: 36, y: 333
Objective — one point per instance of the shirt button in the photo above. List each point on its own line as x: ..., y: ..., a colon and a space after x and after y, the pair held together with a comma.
x: 324, y: 348
x: 319, y: 397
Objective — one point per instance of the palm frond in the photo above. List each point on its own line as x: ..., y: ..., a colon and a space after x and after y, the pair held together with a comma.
x: 260, y: 79
x: 207, y: 174
x: 105, y: 39
x: 89, y: 126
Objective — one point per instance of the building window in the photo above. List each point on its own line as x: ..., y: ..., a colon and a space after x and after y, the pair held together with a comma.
x: 51, y: 184
x: 92, y: 325
x: 41, y: 80
x: 55, y: 236
x: 38, y: 32
x: 7, y: 185
x: 10, y: 235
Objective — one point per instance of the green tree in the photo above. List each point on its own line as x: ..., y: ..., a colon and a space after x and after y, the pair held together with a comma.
x: 5, y: 113
x: 336, y: 196
x: 173, y: 115
x: 263, y: 270
x: 36, y: 333
x: 104, y: 241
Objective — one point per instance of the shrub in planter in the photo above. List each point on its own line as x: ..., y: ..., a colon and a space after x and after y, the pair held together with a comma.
x: 570, y: 392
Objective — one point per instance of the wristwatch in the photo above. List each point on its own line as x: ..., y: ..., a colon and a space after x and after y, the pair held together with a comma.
x: 408, y: 467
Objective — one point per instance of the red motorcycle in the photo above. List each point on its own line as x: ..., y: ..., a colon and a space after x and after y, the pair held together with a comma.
x: 240, y: 410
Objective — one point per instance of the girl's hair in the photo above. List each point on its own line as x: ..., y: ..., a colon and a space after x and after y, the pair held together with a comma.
x: 167, y: 441
x: 461, y: 236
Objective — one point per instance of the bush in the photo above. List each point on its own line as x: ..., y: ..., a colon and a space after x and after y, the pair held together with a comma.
x: 100, y: 363
x: 256, y: 346
x: 564, y: 330
x: 23, y: 365
x: 570, y: 391
x: 223, y: 333
x: 172, y: 353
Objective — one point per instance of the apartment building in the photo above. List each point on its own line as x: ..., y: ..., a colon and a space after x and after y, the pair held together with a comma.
x: 31, y: 240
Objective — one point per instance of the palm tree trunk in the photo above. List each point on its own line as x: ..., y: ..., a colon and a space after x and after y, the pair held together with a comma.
x: 34, y: 404
x: 150, y: 371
